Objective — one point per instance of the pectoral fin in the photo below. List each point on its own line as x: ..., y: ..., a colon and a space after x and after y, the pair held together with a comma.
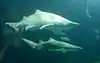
x: 45, y: 26
x: 65, y: 38
x: 28, y: 27
x: 58, y: 32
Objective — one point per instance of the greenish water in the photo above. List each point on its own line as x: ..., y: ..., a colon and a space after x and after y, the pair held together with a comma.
x: 84, y: 35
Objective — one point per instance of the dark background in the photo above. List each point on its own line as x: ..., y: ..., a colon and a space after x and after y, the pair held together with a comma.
x: 14, y: 10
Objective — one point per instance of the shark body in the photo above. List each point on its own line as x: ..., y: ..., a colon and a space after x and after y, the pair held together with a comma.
x: 53, y: 45
x: 45, y: 20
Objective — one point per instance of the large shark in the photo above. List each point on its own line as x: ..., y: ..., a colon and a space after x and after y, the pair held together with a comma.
x: 53, y: 45
x: 45, y: 20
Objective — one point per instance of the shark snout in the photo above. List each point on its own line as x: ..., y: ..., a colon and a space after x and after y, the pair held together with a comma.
x: 74, y: 23
x: 72, y: 49
x: 70, y: 46
x: 76, y: 47
x: 71, y: 24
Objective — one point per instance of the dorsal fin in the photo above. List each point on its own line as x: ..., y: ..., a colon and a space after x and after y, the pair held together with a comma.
x: 24, y: 17
x: 38, y: 11
x: 41, y: 41
x: 51, y: 39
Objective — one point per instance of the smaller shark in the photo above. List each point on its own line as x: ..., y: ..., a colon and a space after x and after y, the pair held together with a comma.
x: 45, y: 20
x: 53, y: 45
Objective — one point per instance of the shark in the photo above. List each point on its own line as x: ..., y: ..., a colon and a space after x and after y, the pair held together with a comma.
x: 53, y: 45
x: 39, y: 20
x: 44, y: 20
x: 16, y: 37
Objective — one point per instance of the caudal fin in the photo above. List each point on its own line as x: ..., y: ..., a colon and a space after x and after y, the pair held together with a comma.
x: 13, y: 25
x: 30, y: 43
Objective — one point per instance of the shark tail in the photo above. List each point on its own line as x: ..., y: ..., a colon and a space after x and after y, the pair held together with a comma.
x: 13, y: 25
x: 30, y: 43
